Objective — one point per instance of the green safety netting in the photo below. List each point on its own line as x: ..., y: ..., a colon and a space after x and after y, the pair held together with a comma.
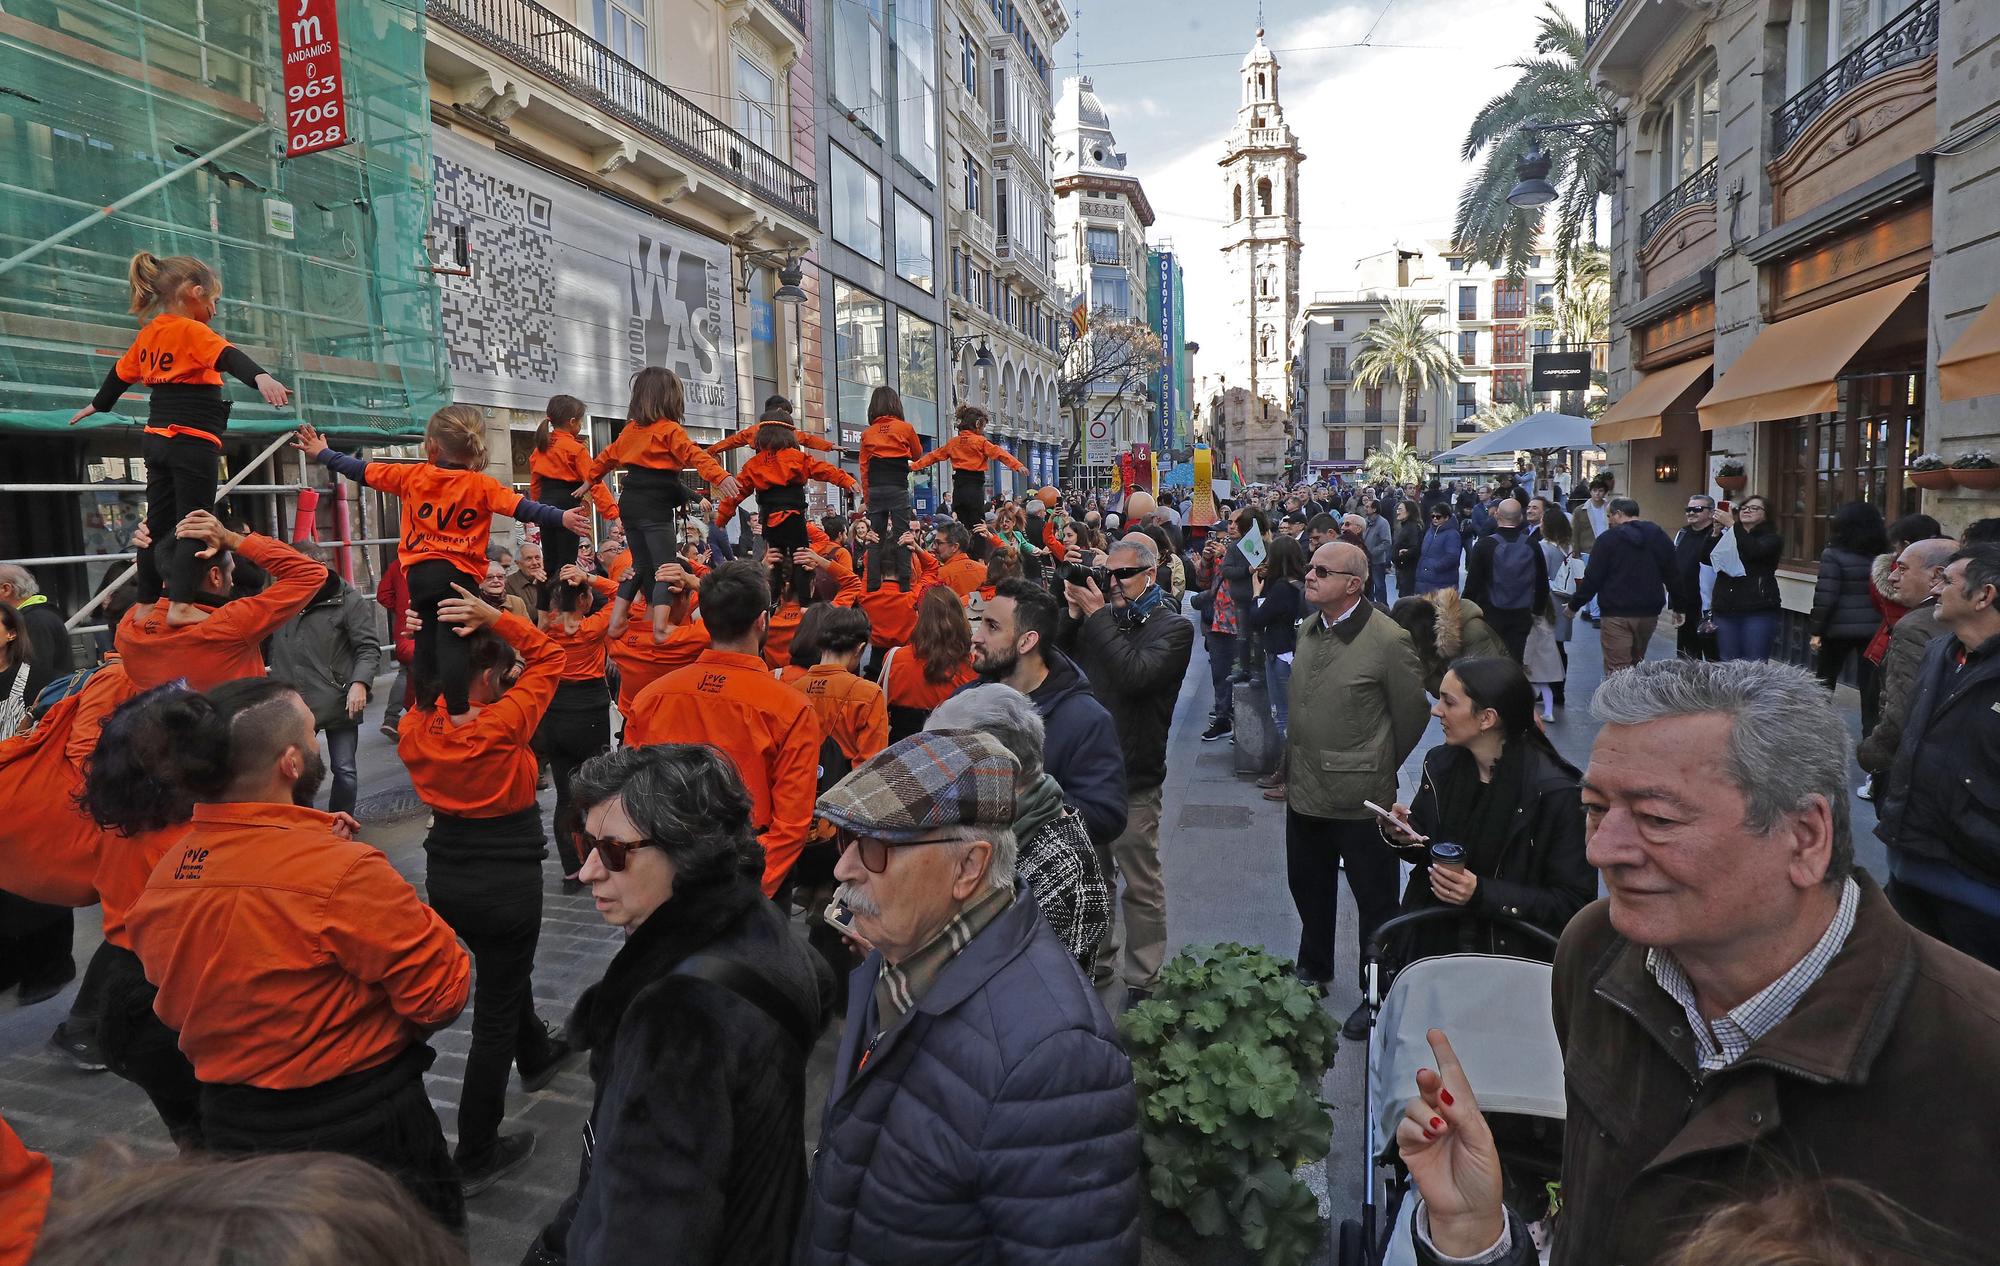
x: 325, y: 262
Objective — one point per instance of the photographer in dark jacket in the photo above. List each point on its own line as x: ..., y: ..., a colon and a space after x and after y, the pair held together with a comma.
x: 697, y: 1034
x: 1748, y: 608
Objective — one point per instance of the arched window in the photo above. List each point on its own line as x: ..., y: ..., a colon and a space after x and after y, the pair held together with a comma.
x: 1264, y: 341
x: 1260, y: 85
x: 1264, y: 282
x: 1237, y: 202
x: 1264, y: 196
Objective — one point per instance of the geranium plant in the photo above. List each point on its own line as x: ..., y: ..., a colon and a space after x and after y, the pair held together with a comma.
x: 1927, y: 461
x: 1228, y: 1056
x: 1975, y: 459
x: 1730, y: 469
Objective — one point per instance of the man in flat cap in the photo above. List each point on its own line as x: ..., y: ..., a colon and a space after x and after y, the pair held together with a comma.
x: 981, y: 1108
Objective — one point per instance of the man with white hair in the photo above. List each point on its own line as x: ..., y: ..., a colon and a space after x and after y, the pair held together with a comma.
x: 981, y: 1108
x: 1133, y: 647
x: 48, y: 638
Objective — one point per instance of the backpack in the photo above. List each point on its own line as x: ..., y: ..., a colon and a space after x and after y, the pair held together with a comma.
x: 1513, y: 585
x: 60, y: 689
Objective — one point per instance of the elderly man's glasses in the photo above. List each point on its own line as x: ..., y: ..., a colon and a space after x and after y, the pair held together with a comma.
x: 1125, y: 573
x: 611, y: 852
x: 874, y: 851
x: 1323, y: 572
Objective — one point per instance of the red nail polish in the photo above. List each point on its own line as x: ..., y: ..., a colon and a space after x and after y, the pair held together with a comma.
x: 1436, y: 1123
x: 1446, y: 1096
x: 1430, y: 1136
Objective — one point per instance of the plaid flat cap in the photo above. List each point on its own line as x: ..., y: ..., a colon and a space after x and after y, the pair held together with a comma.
x: 929, y: 780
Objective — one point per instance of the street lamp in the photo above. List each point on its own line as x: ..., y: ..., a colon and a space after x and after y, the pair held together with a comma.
x: 1531, y: 170
x: 984, y: 360
x: 790, y: 277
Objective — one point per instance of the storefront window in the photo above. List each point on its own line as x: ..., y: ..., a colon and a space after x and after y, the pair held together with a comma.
x: 1860, y: 452
x: 857, y: 206
x: 917, y: 371
x: 914, y: 258
x: 861, y: 354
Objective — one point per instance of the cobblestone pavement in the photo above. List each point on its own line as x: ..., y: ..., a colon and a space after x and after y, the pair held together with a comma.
x: 1223, y: 854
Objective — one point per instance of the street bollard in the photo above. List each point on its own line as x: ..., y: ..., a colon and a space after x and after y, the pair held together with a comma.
x: 1256, y: 737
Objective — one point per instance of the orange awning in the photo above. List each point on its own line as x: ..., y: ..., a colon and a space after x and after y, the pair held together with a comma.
x: 1971, y: 367
x: 1638, y: 414
x: 1789, y: 368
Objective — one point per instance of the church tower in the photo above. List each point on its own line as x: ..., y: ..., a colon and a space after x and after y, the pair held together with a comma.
x: 1260, y: 188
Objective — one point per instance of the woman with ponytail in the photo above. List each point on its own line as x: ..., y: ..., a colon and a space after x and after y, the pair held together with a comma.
x: 1499, y: 789
x: 557, y: 469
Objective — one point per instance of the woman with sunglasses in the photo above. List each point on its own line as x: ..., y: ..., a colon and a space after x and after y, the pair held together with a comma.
x: 483, y: 862
x: 1748, y: 608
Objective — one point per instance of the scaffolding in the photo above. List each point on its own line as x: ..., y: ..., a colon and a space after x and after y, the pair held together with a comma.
x: 158, y: 125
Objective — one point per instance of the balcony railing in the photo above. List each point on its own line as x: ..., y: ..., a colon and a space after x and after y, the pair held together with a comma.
x: 1909, y: 37
x: 1333, y: 417
x: 1697, y: 190
x: 530, y: 35
x: 1597, y: 15
x: 1106, y: 255
x: 794, y: 11
x: 1334, y: 373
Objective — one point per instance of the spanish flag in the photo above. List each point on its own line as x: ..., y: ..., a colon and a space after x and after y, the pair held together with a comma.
x: 1079, y: 318
x: 1236, y: 468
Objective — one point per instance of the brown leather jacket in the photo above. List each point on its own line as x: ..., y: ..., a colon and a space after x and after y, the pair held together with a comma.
x: 1882, y: 1074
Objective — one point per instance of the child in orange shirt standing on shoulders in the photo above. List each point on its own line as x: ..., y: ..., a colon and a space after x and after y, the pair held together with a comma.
x: 970, y: 453
x: 180, y: 358
x: 778, y: 475
x: 448, y: 506
x: 557, y: 471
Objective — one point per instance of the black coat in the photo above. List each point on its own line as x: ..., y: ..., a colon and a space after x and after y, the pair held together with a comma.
x: 1408, y: 541
x: 698, y: 1119
x: 48, y: 640
x: 1757, y: 588
x: 1943, y: 798
x: 1540, y: 876
x: 1135, y: 670
x: 1842, y: 611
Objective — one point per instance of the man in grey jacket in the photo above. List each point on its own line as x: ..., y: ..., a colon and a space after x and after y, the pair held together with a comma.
x: 1913, y: 576
x: 328, y: 653
x: 1376, y: 540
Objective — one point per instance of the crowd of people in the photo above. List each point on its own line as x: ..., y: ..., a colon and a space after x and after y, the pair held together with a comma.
x: 909, y: 769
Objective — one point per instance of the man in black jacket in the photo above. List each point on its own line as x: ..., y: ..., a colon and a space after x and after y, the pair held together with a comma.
x: 1630, y: 574
x: 1134, y: 647
x: 47, y: 635
x: 1508, y: 576
x: 1940, y: 814
x: 1694, y: 579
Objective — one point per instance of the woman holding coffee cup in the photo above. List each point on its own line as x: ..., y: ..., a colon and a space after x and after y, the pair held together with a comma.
x: 1496, y: 825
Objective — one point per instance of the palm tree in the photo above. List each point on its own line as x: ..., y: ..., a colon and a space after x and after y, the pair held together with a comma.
x: 1581, y: 313
x: 1395, y: 465
x: 1404, y: 349
x: 1552, y: 88
x: 1495, y: 414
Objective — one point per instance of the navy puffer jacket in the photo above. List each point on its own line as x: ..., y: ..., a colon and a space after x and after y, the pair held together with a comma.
x: 1437, y: 559
x: 996, y: 1123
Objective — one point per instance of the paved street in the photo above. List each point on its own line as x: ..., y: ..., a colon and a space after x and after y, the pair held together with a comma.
x: 1223, y: 849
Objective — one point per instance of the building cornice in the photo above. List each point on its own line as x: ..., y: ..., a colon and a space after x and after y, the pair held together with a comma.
x: 1114, y: 186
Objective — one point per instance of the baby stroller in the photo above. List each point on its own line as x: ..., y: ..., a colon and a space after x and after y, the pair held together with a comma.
x: 1495, y: 1009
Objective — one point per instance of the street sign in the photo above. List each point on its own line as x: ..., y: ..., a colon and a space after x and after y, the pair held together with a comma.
x: 315, y: 97
x: 1097, y: 441
x: 1560, y: 371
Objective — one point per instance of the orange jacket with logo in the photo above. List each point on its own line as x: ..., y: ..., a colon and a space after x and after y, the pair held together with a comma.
x: 49, y: 849
x: 781, y: 468
x: 889, y: 436
x: 909, y: 686
x: 484, y: 768
x: 963, y: 573
x: 583, y: 648
x: 24, y: 1197
x: 748, y: 435
x: 970, y: 453
x: 286, y: 956
x: 567, y: 461
x: 852, y: 710
x: 892, y: 612
x: 732, y: 701
x: 784, y: 622
x: 660, y: 445
x: 229, y: 643
x: 124, y: 864
x: 447, y: 513
x: 642, y: 661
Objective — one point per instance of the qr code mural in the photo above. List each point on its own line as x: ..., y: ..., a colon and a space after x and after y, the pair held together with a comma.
x: 500, y: 321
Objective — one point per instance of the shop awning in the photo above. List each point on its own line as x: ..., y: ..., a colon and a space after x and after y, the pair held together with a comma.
x: 1638, y: 414
x: 1789, y: 369
x: 1971, y: 366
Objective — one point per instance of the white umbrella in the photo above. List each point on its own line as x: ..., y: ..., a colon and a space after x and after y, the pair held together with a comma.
x: 1537, y: 430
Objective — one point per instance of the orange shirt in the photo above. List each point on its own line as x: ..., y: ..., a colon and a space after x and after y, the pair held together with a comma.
x: 642, y: 661
x: 970, y: 453
x: 124, y: 864
x: 172, y: 348
x: 892, y: 612
x: 888, y: 436
x: 229, y: 643
x: 963, y: 573
x: 566, y: 461
x: 24, y: 1197
x: 852, y: 710
x: 732, y: 701
x: 583, y: 650
x: 447, y: 513
x: 484, y: 768
x: 909, y: 686
x: 748, y: 435
x: 48, y: 850
x: 826, y: 547
x: 781, y: 468
x: 784, y: 622
x: 286, y: 956
x: 660, y: 445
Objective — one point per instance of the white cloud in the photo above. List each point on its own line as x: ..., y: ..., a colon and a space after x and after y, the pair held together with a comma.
x: 1380, y: 128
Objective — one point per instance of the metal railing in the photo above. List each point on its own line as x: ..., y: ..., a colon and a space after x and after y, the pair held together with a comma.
x: 1597, y: 15
x: 1106, y: 255
x: 538, y: 39
x: 1333, y: 417
x: 1909, y: 37
x: 794, y: 11
x: 1334, y: 373
x: 1696, y: 190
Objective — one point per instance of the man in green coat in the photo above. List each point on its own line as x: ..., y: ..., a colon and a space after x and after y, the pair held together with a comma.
x: 1358, y: 708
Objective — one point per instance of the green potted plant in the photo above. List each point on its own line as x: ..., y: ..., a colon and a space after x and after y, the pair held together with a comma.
x: 1977, y: 470
x: 1928, y: 470
x: 1228, y: 1056
x: 1730, y: 476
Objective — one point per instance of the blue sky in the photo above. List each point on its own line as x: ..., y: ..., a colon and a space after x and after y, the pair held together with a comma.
x: 1380, y: 125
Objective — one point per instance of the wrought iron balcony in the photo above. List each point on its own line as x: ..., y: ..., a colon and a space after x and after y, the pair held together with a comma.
x: 1696, y: 190
x: 1105, y: 255
x: 1597, y: 15
x: 1334, y: 373
x: 528, y: 34
x: 1909, y: 37
x: 1333, y: 417
x: 794, y: 11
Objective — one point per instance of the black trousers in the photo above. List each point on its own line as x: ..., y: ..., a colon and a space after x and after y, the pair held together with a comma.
x: 576, y: 727
x: 442, y: 663
x: 888, y: 513
x: 559, y: 544
x: 34, y: 942
x: 1691, y: 643
x: 495, y: 907
x: 180, y: 479
x: 381, y: 1115
x: 1833, y: 656
x: 138, y: 1046
x: 1315, y: 849
x: 1965, y: 929
x: 968, y: 498
x: 1513, y: 628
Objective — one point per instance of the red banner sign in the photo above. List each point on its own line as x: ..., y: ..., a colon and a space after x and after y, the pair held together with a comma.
x: 315, y: 98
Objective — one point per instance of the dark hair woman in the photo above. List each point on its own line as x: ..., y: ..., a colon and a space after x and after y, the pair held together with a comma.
x: 557, y: 470
x: 1844, y: 617
x: 936, y: 661
x: 1499, y: 789
x: 20, y: 679
x: 1277, y: 594
x: 1405, y: 545
x: 1746, y: 603
x: 576, y: 724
